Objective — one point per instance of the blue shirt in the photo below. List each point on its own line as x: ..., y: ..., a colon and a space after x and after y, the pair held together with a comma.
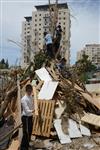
x: 48, y: 39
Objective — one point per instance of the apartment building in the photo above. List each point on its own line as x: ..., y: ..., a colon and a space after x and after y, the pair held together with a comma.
x: 41, y: 23
x: 26, y: 41
x: 93, y: 51
x: 38, y: 24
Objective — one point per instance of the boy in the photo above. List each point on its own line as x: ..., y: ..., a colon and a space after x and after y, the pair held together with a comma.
x: 27, y: 117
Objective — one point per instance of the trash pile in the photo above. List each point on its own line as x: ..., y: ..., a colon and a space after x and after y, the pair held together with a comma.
x: 66, y: 110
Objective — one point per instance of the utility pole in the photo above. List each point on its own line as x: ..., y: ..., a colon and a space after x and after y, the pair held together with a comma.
x: 53, y: 16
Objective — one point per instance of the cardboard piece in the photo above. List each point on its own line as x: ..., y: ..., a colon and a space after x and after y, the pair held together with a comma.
x: 64, y: 138
x: 47, y: 91
x: 43, y: 74
x: 91, y: 119
x: 73, y: 130
x: 85, y: 130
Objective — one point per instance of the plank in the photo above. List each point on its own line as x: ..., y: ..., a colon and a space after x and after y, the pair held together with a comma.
x: 43, y: 74
x: 14, y: 145
x: 47, y: 91
x: 86, y: 95
x: 19, y: 109
x: 43, y: 122
x: 35, y: 100
x: 73, y: 130
x: 91, y: 119
x: 64, y: 138
x: 85, y: 130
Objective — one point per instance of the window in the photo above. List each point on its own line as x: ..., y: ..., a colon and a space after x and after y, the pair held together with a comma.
x: 39, y: 14
x: 64, y: 18
x: 39, y: 29
x: 39, y: 19
x: 39, y: 24
x: 59, y: 18
x: 39, y: 33
x: 35, y: 24
x: 35, y: 19
x: 35, y: 15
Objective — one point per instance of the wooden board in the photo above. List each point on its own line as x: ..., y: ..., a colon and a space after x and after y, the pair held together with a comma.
x: 86, y: 95
x: 43, y: 74
x: 43, y: 122
x: 14, y: 145
x: 47, y: 91
x: 73, y: 130
x: 92, y: 119
x: 64, y: 138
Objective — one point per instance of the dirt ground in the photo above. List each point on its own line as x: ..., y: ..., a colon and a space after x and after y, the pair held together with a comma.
x: 84, y: 143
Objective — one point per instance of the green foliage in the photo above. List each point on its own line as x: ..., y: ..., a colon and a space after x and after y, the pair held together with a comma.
x: 39, y: 59
x: 84, y: 68
x: 4, y: 64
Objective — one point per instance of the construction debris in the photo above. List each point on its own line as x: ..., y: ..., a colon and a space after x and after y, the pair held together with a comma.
x: 60, y: 101
x: 73, y: 129
x: 43, y: 122
x: 64, y: 138
x: 92, y: 119
x: 47, y: 91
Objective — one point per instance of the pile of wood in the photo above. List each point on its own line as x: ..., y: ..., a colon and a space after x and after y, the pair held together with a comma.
x: 67, y: 99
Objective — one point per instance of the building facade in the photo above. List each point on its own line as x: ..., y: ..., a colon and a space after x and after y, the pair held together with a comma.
x: 39, y: 23
x: 93, y: 52
x: 26, y: 41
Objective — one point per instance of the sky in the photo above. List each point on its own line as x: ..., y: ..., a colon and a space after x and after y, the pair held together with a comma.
x: 85, y: 25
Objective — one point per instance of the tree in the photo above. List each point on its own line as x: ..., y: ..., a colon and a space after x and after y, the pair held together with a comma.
x: 3, y: 64
x: 39, y: 59
x: 84, y: 68
x: 7, y: 64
